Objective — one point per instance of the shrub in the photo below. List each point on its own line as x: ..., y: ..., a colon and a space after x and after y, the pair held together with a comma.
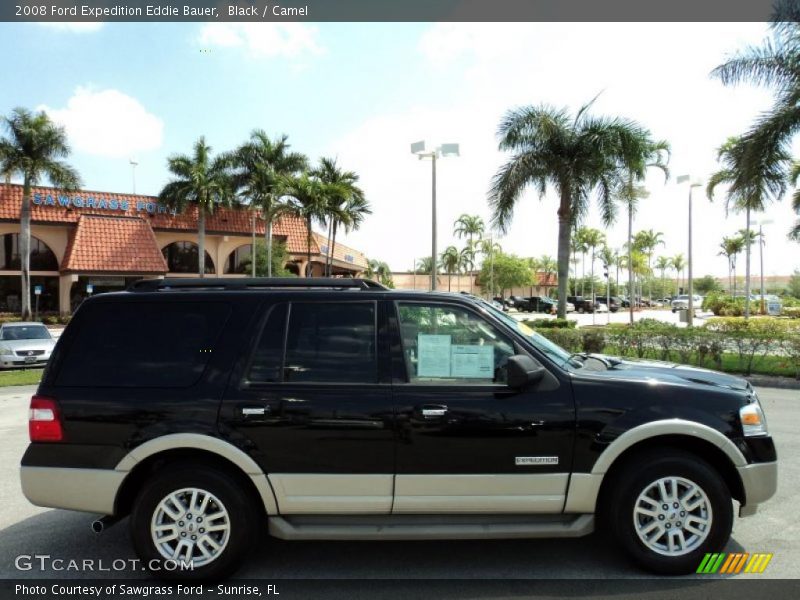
x: 551, y: 323
x: 569, y: 339
x: 594, y: 341
x: 793, y: 312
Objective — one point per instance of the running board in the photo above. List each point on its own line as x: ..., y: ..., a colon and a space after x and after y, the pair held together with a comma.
x: 430, y: 527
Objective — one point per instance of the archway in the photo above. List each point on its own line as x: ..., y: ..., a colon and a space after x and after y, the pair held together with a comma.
x: 183, y: 257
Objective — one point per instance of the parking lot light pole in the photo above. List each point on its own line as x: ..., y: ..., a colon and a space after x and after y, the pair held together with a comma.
x: 444, y: 150
x: 693, y: 183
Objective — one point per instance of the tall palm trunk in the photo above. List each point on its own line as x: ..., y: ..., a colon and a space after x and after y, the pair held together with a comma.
x: 309, y: 270
x: 328, y: 256
x: 333, y: 245
x: 201, y: 240
x: 564, y: 229
x: 268, y: 243
x: 631, y: 283
x: 747, y: 269
x: 649, y: 275
x: 25, y: 250
x: 583, y: 272
x: 734, y: 279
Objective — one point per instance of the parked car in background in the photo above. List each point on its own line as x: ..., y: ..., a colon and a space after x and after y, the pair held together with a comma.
x: 614, y: 302
x: 503, y: 302
x: 541, y: 304
x: 25, y: 345
x: 517, y: 302
x: 582, y: 305
x: 682, y: 302
x: 772, y: 304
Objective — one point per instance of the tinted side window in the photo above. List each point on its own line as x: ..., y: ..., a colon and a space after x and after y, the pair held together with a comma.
x: 143, y: 344
x: 331, y: 342
x: 266, y: 363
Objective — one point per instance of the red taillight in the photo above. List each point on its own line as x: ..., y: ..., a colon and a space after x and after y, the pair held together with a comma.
x: 44, y: 420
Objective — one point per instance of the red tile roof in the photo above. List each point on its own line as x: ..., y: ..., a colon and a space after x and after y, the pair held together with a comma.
x: 51, y: 206
x: 114, y: 245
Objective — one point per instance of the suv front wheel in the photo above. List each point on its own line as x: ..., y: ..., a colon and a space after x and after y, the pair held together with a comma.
x: 668, y: 509
x: 192, y: 522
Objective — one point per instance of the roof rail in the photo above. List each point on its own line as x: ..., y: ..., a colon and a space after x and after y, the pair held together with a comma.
x: 215, y: 283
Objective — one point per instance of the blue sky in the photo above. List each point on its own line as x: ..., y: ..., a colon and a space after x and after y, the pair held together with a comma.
x: 364, y: 92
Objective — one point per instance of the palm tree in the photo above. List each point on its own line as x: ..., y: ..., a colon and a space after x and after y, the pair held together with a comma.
x: 575, y: 155
x: 201, y: 181
x: 489, y: 248
x: 424, y: 266
x: 347, y: 205
x: 679, y: 264
x: 33, y: 151
x: 751, y: 195
x: 581, y: 245
x: 662, y: 264
x: 794, y: 176
x: 308, y: 201
x: 646, y: 241
x: 730, y: 247
x: 471, y: 227
x: 377, y: 269
x: 258, y: 166
x: 594, y: 239
x: 576, y: 246
x: 609, y: 258
x: 757, y: 164
x: 467, y: 257
x: 548, y: 268
x: 451, y: 261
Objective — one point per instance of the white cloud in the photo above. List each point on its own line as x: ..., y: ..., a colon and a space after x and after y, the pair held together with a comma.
x: 74, y: 27
x: 108, y: 123
x: 264, y: 40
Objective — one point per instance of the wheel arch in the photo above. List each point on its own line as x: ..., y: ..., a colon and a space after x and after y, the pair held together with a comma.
x: 146, y: 459
x: 697, y: 446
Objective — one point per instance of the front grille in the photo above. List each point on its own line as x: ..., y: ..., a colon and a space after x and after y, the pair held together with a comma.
x: 30, y: 352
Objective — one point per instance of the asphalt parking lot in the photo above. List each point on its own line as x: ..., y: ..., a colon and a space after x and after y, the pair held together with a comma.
x: 26, y: 529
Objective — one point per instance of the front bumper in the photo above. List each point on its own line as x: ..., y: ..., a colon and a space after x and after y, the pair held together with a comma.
x: 760, y: 482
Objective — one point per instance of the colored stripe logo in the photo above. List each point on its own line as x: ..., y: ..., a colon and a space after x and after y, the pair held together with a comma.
x: 734, y: 563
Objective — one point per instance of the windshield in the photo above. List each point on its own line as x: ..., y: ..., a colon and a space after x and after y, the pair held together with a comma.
x: 554, y: 351
x: 25, y: 332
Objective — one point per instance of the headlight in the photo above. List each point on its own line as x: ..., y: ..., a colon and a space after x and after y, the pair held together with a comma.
x: 4, y: 350
x: 753, y: 420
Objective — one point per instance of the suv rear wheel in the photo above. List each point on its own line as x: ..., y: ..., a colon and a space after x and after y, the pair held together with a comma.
x: 192, y: 514
x: 668, y: 509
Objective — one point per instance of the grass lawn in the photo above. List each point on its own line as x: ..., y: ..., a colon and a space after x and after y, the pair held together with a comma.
x: 20, y: 377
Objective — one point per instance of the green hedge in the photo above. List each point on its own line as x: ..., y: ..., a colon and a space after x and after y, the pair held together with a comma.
x: 551, y: 323
x: 746, y: 346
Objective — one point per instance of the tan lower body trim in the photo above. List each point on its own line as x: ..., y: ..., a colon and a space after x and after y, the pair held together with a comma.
x: 582, y: 493
x: 88, y: 490
x: 314, y: 493
x: 523, y: 493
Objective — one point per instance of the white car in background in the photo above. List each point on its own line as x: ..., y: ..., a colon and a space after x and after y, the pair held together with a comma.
x: 25, y: 345
x: 682, y: 302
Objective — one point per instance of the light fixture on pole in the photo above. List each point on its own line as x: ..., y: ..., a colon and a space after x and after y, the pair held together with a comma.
x: 693, y: 183
x: 134, y: 163
x: 761, y: 258
x: 444, y: 150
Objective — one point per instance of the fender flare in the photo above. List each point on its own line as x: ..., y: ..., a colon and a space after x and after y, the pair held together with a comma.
x: 653, y: 429
x: 207, y: 443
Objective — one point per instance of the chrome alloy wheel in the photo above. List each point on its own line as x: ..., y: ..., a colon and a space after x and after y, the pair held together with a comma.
x: 190, y: 524
x: 672, y: 516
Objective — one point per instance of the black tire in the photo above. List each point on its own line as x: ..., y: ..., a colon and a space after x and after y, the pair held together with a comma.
x: 227, y: 488
x: 635, y: 477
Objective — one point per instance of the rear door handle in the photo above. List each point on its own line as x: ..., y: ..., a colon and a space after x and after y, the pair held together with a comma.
x: 433, y: 411
x: 253, y: 411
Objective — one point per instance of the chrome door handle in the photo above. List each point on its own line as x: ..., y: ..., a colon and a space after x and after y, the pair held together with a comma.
x: 255, y: 411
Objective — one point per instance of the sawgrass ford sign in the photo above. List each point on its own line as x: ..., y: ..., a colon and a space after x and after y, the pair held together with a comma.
x: 100, y: 202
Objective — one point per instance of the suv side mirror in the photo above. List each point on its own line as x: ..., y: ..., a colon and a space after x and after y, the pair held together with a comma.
x: 523, y: 371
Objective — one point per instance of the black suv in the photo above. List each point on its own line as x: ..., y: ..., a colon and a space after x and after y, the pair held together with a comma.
x: 582, y: 304
x: 338, y: 409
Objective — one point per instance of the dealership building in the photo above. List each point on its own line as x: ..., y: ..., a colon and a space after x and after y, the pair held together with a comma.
x: 91, y: 242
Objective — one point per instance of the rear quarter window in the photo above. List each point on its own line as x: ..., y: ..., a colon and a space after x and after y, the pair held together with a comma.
x: 143, y: 344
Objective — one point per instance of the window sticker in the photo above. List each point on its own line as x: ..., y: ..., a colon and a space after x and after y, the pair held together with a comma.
x: 434, y: 355
x: 472, y: 361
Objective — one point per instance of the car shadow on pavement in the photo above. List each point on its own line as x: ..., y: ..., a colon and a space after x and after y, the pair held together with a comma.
x: 66, y: 535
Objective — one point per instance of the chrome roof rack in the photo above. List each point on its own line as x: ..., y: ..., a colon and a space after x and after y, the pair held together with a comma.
x: 220, y: 284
